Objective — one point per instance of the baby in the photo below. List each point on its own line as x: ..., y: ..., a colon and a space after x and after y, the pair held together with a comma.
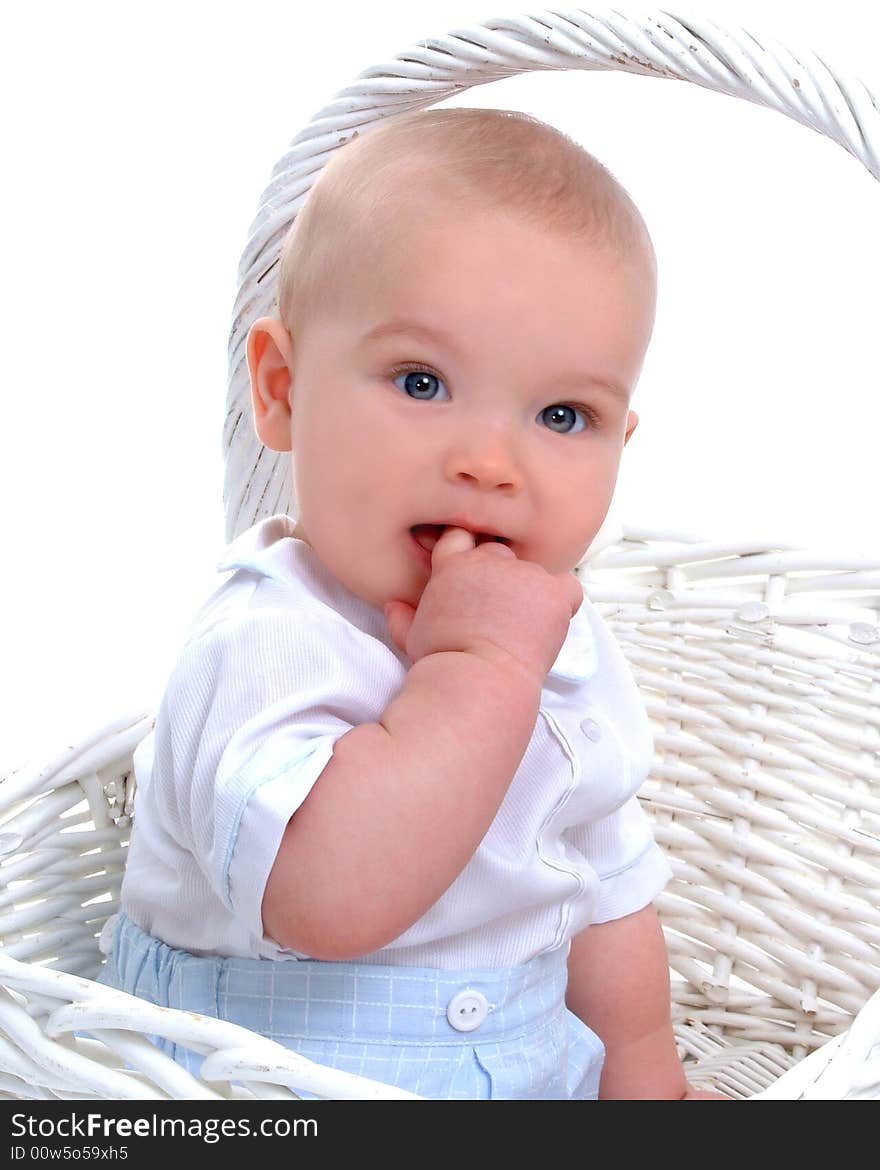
x: 390, y: 815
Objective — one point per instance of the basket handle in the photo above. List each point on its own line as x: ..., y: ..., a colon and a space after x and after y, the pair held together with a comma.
x: 694, y: 48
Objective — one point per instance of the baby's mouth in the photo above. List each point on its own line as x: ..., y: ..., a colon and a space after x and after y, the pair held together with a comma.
x: 427, y: 535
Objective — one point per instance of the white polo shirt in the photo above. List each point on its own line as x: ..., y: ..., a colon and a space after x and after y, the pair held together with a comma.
x: 280, y: 662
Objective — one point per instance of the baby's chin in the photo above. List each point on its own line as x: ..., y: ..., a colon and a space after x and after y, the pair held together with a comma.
x: 378, y: 592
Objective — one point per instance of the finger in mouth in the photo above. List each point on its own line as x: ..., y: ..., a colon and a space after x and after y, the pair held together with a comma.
x: 427, y: 535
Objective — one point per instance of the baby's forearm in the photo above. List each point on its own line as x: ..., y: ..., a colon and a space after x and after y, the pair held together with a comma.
x: 401, y: 807
x: 618, y: 983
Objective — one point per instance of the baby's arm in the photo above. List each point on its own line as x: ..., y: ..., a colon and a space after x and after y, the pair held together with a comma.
x: 618, y: 984
x: 404, y: 802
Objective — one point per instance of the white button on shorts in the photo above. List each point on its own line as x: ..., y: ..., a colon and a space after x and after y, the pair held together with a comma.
x: 467, y: 1010
x: 591, y: 730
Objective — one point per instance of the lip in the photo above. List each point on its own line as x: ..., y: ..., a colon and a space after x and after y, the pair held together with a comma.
x: 426, y: 555
x: 472, y: 526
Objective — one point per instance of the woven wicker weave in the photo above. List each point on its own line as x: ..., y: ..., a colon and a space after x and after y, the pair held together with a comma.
x: 760, y: 668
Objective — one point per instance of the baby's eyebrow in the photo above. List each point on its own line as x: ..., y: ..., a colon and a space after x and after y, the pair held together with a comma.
x: 573, y: 382
x: 414, y: 328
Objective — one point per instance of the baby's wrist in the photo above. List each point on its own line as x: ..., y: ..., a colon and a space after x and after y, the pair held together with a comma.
x: 509, y: 670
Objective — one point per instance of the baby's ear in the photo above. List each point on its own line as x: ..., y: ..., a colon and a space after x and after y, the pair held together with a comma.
x: 269, y: 359
x: 632, y: 422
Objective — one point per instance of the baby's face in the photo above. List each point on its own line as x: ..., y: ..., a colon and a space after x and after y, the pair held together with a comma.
x: 480, y: 377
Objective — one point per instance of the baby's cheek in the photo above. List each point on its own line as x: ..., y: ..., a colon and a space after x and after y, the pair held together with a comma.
x: 556, y: 557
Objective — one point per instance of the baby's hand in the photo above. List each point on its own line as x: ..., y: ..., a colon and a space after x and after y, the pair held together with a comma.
x: 483, y: 600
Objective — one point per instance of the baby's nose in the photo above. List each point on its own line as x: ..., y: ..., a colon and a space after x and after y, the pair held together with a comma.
x: 489, y: 462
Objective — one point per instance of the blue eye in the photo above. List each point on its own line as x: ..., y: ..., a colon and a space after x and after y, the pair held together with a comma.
x: 421, y: 384
x: 563, y: 419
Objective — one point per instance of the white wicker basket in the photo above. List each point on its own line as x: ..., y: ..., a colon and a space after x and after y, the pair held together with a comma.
x: 760, y: 668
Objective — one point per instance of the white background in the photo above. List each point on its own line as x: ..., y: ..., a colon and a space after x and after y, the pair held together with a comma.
x: 138, y: 138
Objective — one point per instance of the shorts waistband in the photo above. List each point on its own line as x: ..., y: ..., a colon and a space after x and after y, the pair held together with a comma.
x: 343, y: 1000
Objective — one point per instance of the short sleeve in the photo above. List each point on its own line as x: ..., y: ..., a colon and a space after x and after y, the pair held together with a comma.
x: 621, y: 849
x: 252, y: 715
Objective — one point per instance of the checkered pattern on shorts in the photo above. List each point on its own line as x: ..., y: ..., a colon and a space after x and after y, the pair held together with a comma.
x: 388, y: 1023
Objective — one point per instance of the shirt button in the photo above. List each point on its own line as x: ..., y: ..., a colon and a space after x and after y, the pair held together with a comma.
x: 467, y: 1010
x: 591, y: 730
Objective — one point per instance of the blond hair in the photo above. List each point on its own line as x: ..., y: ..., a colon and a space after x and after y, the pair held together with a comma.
x: 435, y: 162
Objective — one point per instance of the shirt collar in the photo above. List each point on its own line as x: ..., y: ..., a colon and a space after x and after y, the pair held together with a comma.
x: 578, y: 660
x: 263, y: 549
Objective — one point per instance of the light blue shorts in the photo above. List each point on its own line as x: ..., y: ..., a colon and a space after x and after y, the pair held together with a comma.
x: 501, y: 1034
